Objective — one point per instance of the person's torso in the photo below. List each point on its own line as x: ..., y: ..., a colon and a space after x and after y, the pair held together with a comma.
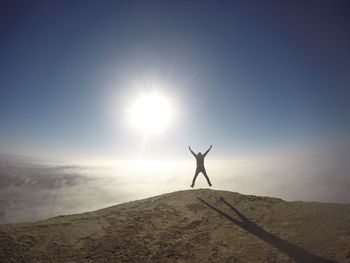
x: 200, y: 160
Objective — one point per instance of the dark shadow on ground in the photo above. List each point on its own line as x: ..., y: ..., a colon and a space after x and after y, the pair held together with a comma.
x: 297, y: 253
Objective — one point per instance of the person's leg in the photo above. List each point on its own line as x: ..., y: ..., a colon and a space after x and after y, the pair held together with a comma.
x: 206, y: 176
x: 195, y: 177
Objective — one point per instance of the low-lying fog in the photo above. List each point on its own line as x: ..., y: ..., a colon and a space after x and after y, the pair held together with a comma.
x: 30, y: 192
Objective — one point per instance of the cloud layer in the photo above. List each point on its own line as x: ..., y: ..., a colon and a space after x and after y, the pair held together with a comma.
x: 31, y: 192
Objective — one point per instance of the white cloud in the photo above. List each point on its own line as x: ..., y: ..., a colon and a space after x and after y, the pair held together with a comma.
x: 33, y: 192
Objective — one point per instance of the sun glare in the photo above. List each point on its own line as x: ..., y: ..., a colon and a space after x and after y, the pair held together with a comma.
x: 150, y: 113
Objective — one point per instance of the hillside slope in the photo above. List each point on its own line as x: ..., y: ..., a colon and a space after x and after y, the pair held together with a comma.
x: 178, y: 227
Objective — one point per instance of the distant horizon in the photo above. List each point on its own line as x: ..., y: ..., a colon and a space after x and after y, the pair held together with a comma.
x: 281, y: 153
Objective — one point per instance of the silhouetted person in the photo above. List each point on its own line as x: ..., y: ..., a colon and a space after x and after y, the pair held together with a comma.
x: 200, y: 165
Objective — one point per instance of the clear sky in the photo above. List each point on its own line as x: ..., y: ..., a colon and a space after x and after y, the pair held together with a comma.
x: 245, y: 76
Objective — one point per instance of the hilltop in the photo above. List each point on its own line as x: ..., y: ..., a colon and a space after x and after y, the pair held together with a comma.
x: 179, y: 227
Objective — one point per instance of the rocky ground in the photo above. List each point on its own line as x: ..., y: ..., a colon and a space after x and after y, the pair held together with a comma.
x: 178, y: 227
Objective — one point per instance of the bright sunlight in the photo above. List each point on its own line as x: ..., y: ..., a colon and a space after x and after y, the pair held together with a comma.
x: 150, y: 113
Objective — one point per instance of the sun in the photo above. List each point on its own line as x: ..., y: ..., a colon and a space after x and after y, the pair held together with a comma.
x: 151, y: 113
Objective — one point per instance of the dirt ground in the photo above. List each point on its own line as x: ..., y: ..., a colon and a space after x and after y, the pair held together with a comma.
x: 178, y: 227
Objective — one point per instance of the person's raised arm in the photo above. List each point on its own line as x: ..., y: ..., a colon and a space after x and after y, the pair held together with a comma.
x: 207, y: 150
x: 189, y: 147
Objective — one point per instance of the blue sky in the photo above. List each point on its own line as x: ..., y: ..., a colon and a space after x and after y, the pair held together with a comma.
x: 245, y: 76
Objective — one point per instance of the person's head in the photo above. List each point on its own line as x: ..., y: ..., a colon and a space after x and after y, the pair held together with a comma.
x: 199, y: 153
